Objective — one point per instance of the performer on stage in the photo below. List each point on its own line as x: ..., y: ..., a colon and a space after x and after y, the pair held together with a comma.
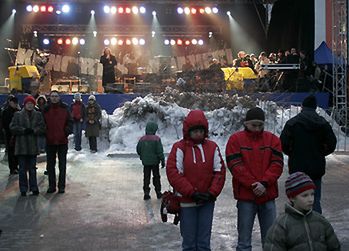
x: 109, y: 62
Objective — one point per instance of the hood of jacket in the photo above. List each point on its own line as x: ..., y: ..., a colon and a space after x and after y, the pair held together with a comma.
x: 41, y: 96
x: 151, y: 128
x: 194, y: 118
x: 309, y: 119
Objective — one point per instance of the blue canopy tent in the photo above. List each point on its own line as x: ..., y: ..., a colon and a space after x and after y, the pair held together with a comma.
x: 323, y: 55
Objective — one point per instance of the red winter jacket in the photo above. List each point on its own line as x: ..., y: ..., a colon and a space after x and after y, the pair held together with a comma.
x: 195, y: 167
x: 254, y: 157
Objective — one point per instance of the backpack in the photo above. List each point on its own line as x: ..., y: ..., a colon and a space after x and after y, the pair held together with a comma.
x: 170, y: 205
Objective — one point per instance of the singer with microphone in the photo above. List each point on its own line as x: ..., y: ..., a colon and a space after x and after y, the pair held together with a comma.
x: 109, y: 62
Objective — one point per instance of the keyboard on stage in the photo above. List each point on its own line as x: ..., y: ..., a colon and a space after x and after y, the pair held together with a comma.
x: 280, y: 66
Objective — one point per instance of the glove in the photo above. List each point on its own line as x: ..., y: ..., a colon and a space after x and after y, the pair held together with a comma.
x: 162, y: 164
x: 199, y: 197
x: 28, y: 131
x: 209, y: 196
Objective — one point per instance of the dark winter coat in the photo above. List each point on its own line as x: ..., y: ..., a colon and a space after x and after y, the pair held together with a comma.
x: 26, y: 143
x: 59, y: 123
x: 93, y: 115
x: 307, y: 138
x: 295, y: 231
x: 149, y: 147
x: 195, y: 167
x: 254, y: 157
x: 108, y: 69
x: 78, y: 111
x: 6, y: 118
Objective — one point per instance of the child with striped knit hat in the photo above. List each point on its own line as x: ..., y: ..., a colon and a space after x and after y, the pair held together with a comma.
x: 301, y: 228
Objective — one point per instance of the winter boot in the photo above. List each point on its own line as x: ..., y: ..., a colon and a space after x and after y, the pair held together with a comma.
x: 146, y: 197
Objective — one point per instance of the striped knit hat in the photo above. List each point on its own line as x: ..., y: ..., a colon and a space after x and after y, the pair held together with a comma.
x: 297, y: 183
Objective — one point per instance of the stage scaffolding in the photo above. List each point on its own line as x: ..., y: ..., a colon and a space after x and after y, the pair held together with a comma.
x: 340, y: 60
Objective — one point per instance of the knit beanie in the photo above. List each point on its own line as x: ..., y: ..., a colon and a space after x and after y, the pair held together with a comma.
x: 29, y: 99
x: 13, y: 99
x: 255, y: 114
x: 77, y: 96
x: 92, y: 97
x: 310, y: 102
x: 297, y: 183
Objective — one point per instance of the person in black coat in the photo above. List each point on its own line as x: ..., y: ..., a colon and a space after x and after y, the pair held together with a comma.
x: 307, y: 138
x: 109, y: 62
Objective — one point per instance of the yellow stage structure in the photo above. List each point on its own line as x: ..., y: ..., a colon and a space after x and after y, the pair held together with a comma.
x: 22, y: 76
x: 235, y: 77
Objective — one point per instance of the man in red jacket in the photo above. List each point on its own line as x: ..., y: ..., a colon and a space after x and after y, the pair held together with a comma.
x: 196, y: 171
x: 254, y: 158
x: 58, y: 126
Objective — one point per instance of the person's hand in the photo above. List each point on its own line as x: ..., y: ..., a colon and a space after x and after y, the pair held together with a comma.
x: 198, y: 197
x: 28, y: 131
x: 81, y: 120
x: 258, y: 189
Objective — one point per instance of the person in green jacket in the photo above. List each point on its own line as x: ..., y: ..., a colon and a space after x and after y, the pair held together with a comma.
x: 300, y: 228
x: 150, y: 151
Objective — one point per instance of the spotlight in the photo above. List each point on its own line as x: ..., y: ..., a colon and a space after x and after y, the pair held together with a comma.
x: 173, y: 42
x: 93, y: 12
x: 128, y: 10
x: 29, y: 8
x: 202, y: 11
x: 167, y: 42
x: 46, y: 41
x: 193, y: 11
x: 208, y: 10
x: 43, y: 8
x: 82, y: 41
x: 128, y: 42
x: 106, y: 42
x: 35, y: 33
x: 121, y: 10
x: 59, y: 41
x: 153, y: 34
x: 94, y: 33
x: 141, y: 41
x: 106, y: 9
x: 210, y: 34
x: 201, y: 42
x: 134, y: 41
x: 113, y: 41
x: 14, y: 11
x: 179, y: 42
x: 142, y: 10
x: 194, y: 41
x: 187, y: 10
x: 215, y: 10
x: 65, y: 8
x: 187, y: 42
x: 154, y: 13
x: 113, y: 10
x: 228, y: 13
x: 180, y: 10
x: 135, y: 10
x: 120, y: 42
x: 58, y: 12
x: 50, y: 9
x: 75, y: 41
x: 68, y: 41
x: 36, y: 8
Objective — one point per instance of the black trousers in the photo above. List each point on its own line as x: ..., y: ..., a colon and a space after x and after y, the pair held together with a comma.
x: 11, y: 158
x: 93, y: 143
x: 51, y: 152
x: 156, y: 178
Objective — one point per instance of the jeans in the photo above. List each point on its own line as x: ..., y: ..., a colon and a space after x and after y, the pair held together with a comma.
x: 51, y: 152
x: 77, y: 131
x: 93, y: 143
x: 156, y: 178
x: 27, y: 163
x: 42, y: 143
x: 196, y: 226
x: 317, y: 196
x: 247, y: 211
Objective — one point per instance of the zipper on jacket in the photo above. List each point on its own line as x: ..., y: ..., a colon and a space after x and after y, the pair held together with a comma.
x: 308, y: 234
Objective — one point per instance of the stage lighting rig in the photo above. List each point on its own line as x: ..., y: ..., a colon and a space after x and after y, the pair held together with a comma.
x: 194, y: 10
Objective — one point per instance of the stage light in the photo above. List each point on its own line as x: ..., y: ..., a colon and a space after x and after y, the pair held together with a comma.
x: 59, y: 41
x: 128, y: 10
x: 58, y: 12
x: 36, y: 8
x: 228, y: 13
x: 68, y: 41
x: 215, y: 10
x: 208, y: 10
x: 153, y: 34
x: 113, y: 41
x: 128, y: 42
x: 154, y: 13
x: 134, y: 41
x: 194, y: 41
x: 35, y: 33
x: 75, y: 41
x: 202, y: 11
x: 82, y: 41
x: 179, y: 42
x: 201, y: 42
x: 113, y: 10
x: 210, y: 34
x: 167, y: 42
x: 94, y: 33
x: 141, y: 41
x: 135, y: 10
x: 120, y: 42
x: 106, y: 9
x: 14, y: 11
x: 43, y: 8
x: 93, y: 12
x: 173, y: 42
x: 29, y: 8
x: 180, y: 10
x: 193, y: 11
x: 46, y: 41
x: 121, y: 10
x: 187, y: 10
x: 106, y: 42
x: 187, y: 42
x: 50, y: 9
x: 142, y: 10
x: 65, y: 8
